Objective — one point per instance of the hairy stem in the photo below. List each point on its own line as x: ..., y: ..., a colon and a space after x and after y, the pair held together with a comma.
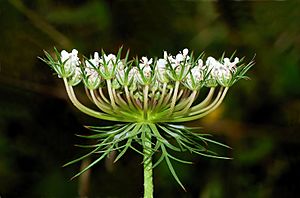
x: 148, y: 172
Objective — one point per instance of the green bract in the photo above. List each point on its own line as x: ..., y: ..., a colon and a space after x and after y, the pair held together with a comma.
x: 145, y: 97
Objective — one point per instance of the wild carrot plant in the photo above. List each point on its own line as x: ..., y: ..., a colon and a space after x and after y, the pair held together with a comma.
x: 149, y: 98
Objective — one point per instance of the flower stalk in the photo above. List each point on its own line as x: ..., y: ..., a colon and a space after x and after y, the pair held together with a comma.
x: 148, y: 170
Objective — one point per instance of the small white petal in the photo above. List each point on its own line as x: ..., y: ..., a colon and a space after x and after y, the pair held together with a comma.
x: 161, y: 63
x: 64, y: 55
x: 74, y: 52
x: 236, y: 60
x: 200, y: 63
x: 226, y: 61
x: 210, y: 60
x: 179, y: 57
x: 165, y: 55
x: 96, y: 55
x: 185, y: 52
x: 144, y: 60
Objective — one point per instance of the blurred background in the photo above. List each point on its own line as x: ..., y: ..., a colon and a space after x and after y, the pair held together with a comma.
x: 260, y: 118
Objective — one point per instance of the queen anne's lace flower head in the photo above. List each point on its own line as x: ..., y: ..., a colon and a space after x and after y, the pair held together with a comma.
x: 148, y: 96
x: 160, y: 76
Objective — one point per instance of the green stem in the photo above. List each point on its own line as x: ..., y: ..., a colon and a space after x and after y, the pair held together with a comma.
x: 85, y: 109
x: 195, y: 117
x: 128, y: 97
x: 148, y: 172
x: 211, y: 105
x: 174, y: 97
x: 98, y: 103
x: 185, y: 99
x: 162, y: 95
x: 103, y: 96
x: 190, y: 100
x: 205, y: 101
x: 146, y: 89
x: 110, y: 94
x: 167, y: 98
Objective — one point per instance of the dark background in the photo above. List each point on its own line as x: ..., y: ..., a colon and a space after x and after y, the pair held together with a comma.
x: 260, y: 118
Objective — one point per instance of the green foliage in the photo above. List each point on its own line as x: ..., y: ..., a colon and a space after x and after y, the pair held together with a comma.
x: 164, y: 138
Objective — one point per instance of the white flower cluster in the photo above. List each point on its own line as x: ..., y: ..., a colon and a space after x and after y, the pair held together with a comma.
x: 99, y: 68
x: 149, y: 95
x: 70, y: 62
x: 192, y: 73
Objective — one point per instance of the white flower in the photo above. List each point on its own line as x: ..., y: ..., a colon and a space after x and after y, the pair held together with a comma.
x: 178, y: 64
x: 121, y: 75
x: 145, y: 66
x: 70, y: 61
x: 222, y: 74
x: 145, y: 61
x: 126, y: 75
x: 210, y: 63
x: 161, y: 64
x: 93, y: 77
x: 161, y: 69
x: 200, y: 63
x: 218, y: 72
x: 134, y: 76
x: 93, y: 80
x: 193, y: 80
x: 170, y: 59
x: 231, y: 65
x: 214, y: 66
x: 120, y: 66
x: 110, y: 58
x: 95, y: 61
x: 147, y: 71
x: 182, y: 56
x: 109, y: 61
x: 185, y: 52
x: 166, y: 55
x: 179, y: 58
x: 197, y: 73
x: 133, y: 73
